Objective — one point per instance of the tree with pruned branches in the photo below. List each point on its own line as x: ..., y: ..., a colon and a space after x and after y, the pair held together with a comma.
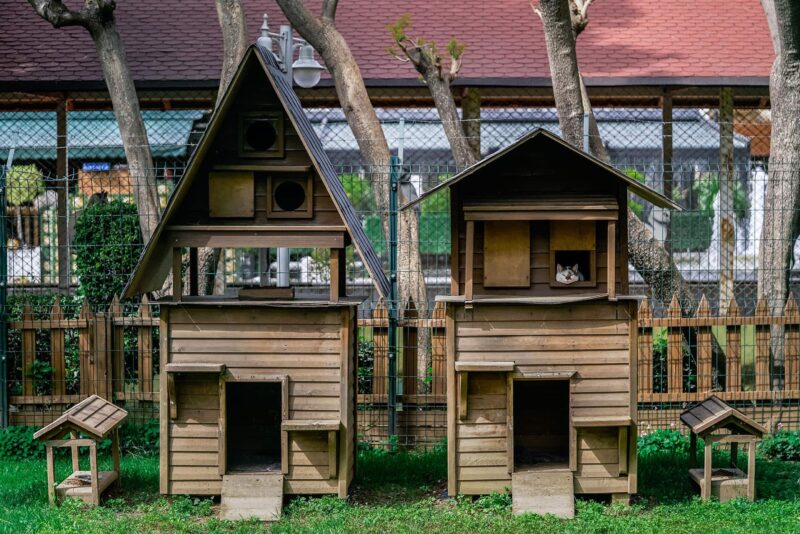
x: 429, y: 63
x: 97, y: 18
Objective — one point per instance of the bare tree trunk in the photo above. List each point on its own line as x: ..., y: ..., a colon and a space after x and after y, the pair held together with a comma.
x: 471, y: 119
x: 231, y: 17
x: 727, y: 230
x: 322, y: 34
x: 97, y: 17
x: 560, y: 41
x: 779, y: 230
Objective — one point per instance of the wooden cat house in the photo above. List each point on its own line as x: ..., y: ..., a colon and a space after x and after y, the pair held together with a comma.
x: 257, y: 389
x: 541, y: 333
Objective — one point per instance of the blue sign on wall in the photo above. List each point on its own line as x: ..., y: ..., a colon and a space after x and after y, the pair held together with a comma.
x: 97, y: 166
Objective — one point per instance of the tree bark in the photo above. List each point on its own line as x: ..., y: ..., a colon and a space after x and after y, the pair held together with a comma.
x: 231, y: 17
x: 779, y: 229
x: 561, y: 53
x: 727, y: 230
x: 354, y: 100
x: 97, y: 17
x: 471, y: 119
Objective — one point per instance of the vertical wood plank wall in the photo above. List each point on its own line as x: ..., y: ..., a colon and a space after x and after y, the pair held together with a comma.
x: 309, y: 346
x: 593, y: 339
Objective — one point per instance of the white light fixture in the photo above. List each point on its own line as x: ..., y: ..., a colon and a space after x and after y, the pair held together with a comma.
x: 306, y: 70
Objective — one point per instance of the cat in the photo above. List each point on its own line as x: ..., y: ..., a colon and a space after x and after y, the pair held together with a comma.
x: 568, y: 275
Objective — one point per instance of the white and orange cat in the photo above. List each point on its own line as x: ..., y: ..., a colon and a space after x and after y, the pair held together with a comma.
x: 568, y: 275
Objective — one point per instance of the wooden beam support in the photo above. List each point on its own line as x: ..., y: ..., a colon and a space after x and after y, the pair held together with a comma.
x: 463, y: 381
x: 177, y: 274
x: 611, y: 255
x: 751, y: 471
x: 622, y: 447
x: 222, y: 434
x: 469, y: 261
x: 333, y: 453
x: 171, y: 397
x: 193, y: 271
x: 707, y: 471
x: 51, y: 476
x: 338, y: 272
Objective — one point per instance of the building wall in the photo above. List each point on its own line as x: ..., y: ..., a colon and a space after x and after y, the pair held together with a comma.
x: 313, y: 347
x: 594, y: 339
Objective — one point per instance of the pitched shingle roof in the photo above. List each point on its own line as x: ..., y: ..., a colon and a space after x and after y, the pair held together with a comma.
x: 642, y: 42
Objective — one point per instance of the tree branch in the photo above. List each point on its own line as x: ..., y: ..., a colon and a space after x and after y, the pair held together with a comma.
x: 329, y: 9
x: 59, y: 15
x: 303, y: 20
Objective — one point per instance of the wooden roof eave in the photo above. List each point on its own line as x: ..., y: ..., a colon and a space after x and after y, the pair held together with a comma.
x: 68, y: 421
x: 640, y: 189
x: 720, y: 415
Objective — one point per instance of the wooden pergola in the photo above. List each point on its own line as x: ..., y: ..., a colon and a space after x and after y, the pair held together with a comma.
x: 95, y: 418
x: 717, y: 422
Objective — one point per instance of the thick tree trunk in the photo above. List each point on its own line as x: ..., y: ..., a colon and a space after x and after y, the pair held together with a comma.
x: 131, y: 126
x: 439, y: 87
x: 560, y: 40
x: 322, y: 34
x: 779, y: 229
x: 234, y: 40
x: 727, y: 230
x: 471, y: 119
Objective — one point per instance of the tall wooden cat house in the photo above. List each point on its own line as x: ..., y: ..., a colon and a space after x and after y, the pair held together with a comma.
x: 258, y: 389
x: 541, y: 363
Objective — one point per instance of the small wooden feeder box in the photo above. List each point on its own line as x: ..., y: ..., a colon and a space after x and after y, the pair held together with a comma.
x: 97, y: 419
x: 717, y: 422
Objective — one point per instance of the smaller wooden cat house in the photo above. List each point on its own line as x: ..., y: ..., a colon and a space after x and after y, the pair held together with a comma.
x: 96, y: 419
x: 541, y: 331
x: 258, y: 394
x: 714, y: 421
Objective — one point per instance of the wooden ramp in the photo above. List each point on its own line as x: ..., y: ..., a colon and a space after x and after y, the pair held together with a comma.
x: 258, y: 495
x: 543, y: 490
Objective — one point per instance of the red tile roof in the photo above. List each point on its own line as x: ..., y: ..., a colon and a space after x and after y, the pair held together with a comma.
x: 626, y: 42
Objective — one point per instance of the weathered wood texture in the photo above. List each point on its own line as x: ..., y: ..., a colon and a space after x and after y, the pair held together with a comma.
x: 590, y: 339
x: 313, y: 348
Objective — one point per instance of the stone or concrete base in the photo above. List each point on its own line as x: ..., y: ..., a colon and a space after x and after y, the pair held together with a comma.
x: 726, y: 483
x: 543, y: 490
x: 252, y: 495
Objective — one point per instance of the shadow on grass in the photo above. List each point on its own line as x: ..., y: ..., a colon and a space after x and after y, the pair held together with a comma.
x: 664, y: 477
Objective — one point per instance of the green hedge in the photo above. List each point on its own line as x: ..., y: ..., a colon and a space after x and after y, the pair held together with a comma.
x: 434, y: 233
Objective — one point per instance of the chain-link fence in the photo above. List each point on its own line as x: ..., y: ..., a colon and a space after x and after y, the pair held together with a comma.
x: 72, y: 240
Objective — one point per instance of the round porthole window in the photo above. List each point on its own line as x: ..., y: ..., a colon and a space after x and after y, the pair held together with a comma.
x: 261, y: 135
x: 289, y: 196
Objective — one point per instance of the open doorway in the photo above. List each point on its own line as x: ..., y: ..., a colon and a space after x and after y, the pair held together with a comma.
x: 541, y: 423
x: 253, y: 426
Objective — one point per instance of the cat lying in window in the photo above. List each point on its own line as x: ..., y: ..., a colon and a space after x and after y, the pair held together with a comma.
x: 568, y: 275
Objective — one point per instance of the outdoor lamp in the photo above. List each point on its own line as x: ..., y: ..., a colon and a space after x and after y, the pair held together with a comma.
x: 306, y: 70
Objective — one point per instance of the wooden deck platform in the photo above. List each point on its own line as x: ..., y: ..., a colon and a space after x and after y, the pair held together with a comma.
x: 78, y: 485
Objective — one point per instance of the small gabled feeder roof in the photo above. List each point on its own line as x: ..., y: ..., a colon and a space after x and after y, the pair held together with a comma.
x: 154, y: 258
x: 714, y: 413
x: 540, y: 135
x: 94, y: 416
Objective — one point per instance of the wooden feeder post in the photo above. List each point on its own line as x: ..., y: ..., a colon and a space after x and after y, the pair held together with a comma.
x: 96, y: 418
x: 716, y: 422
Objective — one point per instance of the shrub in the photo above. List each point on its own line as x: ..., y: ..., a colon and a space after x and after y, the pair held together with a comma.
x: 782, y: 446
x: 109, y: 242
x: 660, y: 441
x: 16, y: 443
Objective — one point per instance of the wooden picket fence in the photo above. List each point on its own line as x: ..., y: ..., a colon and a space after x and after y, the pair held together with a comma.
x: 422, y: 395
x: 100, y: 338
x: 761, y: 387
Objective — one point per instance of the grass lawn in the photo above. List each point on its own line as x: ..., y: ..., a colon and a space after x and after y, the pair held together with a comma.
x: 403, y: 493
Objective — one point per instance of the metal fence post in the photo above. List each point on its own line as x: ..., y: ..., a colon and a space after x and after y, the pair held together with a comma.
x: 394, y: 175
x: 3, y: 300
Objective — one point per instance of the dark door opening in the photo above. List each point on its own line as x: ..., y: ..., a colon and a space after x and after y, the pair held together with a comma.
x: 541, y: 423
x: 253, y: 426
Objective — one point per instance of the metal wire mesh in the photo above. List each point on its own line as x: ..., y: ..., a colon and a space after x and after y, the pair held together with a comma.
x: 70, y: 203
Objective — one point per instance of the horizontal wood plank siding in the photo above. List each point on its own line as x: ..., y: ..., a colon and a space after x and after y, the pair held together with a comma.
x: 305, y: 345
x: 591, y: 339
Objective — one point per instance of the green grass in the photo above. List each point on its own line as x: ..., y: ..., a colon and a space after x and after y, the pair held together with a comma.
x: 403, y: 493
